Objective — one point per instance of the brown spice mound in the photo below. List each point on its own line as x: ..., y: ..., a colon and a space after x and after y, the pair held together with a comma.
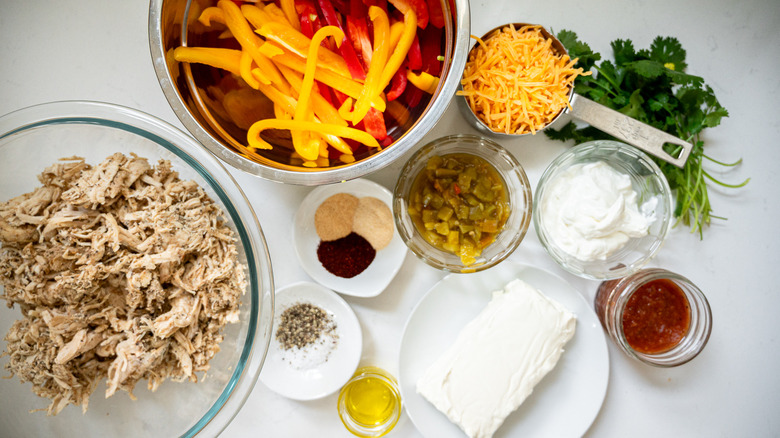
x: 122, y: 272
x: 374, y: 222
x: 333, y: 218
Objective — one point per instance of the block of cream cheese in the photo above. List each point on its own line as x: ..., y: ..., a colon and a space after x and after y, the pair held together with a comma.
x: 498, y: 358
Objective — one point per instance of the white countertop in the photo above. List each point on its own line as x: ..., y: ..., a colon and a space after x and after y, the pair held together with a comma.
x: 98, y: 50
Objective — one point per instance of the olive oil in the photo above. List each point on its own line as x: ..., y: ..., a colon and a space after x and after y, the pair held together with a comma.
x: 370, y: 403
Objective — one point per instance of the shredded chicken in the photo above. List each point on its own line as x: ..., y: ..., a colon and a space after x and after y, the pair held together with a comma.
x: 122, y: 272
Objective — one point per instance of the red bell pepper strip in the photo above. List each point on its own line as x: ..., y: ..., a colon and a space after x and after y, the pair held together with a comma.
x: 435, y: 13
x: 413, y: 96
x: 431, y: 49
x: 419, y: 6
x: 374, y: 124
x: 386, y: 142
x: 310, y: 23
x: 341, y: 6
x: 347, y: 50
x: 414, y: 57
x: 398, y: 83
x: 357, y: 9
x: 357, y: 30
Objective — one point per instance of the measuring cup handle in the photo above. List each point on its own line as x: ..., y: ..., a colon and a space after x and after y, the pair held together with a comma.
x: 632, y: 131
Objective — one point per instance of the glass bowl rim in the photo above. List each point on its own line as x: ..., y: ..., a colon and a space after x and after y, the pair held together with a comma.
x: 165, y: 135
x: 516, y: 173
x: 581, y: 153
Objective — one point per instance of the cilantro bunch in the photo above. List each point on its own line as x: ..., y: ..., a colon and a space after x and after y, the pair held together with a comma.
x: 651, y: 86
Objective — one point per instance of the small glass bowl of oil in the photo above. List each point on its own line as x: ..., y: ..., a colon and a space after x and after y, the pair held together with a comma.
x: 370, y: 402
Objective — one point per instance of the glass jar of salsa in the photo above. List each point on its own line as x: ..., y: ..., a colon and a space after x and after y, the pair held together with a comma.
x: 656, y: 316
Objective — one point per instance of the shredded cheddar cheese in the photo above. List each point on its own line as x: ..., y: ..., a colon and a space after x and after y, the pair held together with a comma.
x: 515, y: 82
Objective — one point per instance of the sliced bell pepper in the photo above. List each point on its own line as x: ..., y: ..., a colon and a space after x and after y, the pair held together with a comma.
x: 419, y: 7
x: 435, y: 13
x: 347, y: 50
x: 245, y: 67
x: 414, y: 57
x: 374, y: 124
x: 253, y: 134
x: 424, y: 81
x: 298, y: 43
x: 397, y: 84
x: 431, y: 49
x: 357, y: 30
x: 212, y: 13
x: 309, y: 149
x: 372, y: 87
x: 288, y: 7
x: 225, y: 59
x: 401, y: 49
x: 235, y: 21
x: 378, y: 3
x: 327, y: 77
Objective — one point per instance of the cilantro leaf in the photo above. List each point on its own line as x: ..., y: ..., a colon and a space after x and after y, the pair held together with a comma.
x: 668, y: 51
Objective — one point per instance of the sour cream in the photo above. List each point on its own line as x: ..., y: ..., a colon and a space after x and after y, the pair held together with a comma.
x: 590, y: 211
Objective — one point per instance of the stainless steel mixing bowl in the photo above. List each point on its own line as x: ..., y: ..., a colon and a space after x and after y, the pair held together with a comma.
x: 168, y: 29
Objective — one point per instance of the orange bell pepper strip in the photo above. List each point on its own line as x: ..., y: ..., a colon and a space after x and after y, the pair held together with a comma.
x: 372, y: 88
x: 253, y: 135
x: 225, y: 59
x: 245, y: 68
x: 238, y: 25
x: 288, y: 7
x: 212, y: 13
x: 309, y: 150
x: 401, y: 49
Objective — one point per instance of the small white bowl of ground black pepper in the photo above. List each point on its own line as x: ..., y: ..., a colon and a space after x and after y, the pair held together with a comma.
x: 345, y: 238
x: 316, y: 345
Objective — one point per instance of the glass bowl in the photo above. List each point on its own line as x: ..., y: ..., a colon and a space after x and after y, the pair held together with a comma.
x: 190, y: 92
x: 32, y: 139
x: 518, y: 195
x: 653, y: 199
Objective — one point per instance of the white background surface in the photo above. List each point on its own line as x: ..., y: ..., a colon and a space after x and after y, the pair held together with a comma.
x: 98, y: 50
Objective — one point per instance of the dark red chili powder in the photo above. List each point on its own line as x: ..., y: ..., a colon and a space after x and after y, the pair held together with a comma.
x: 346, y: 257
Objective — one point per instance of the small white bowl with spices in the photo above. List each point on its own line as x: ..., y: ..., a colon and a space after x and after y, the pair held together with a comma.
x: 316, y: 343
x: 602, y: 209
x: 345, y: 238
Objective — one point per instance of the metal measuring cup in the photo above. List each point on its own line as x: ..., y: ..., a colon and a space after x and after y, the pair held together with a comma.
x: 620, y: 126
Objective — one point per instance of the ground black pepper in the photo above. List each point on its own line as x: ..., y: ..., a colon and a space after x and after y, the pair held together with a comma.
x: 346, y: 257
x: 302, y: 324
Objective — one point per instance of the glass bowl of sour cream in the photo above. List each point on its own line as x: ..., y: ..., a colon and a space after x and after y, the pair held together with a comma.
x: 602, y: 209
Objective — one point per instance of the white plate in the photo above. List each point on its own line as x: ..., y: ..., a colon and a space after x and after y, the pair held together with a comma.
x: 563, y: 404
x: 374, y: 279
x: 327, y: 377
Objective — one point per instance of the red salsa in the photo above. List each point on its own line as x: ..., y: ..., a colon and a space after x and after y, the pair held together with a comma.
x: 656, y: 317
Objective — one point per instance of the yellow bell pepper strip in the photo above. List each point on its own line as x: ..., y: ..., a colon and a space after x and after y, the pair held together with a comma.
x: 225, y: 59
x: 420, y: 8
x: 270, y: 50
x: 423, y: 81
x: 288, y: 7
x: 285, y: 104
x: 253, y: 135
x: 245, y: 67
x: 396, y: 29
x: 401, y: 49
x: 371, y: 88
x: 327, y: 77
x: 302, y: 108
x: 250, y: 42
x: 212, y: 13
x: 322, y: 107
x: 297, y: 43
